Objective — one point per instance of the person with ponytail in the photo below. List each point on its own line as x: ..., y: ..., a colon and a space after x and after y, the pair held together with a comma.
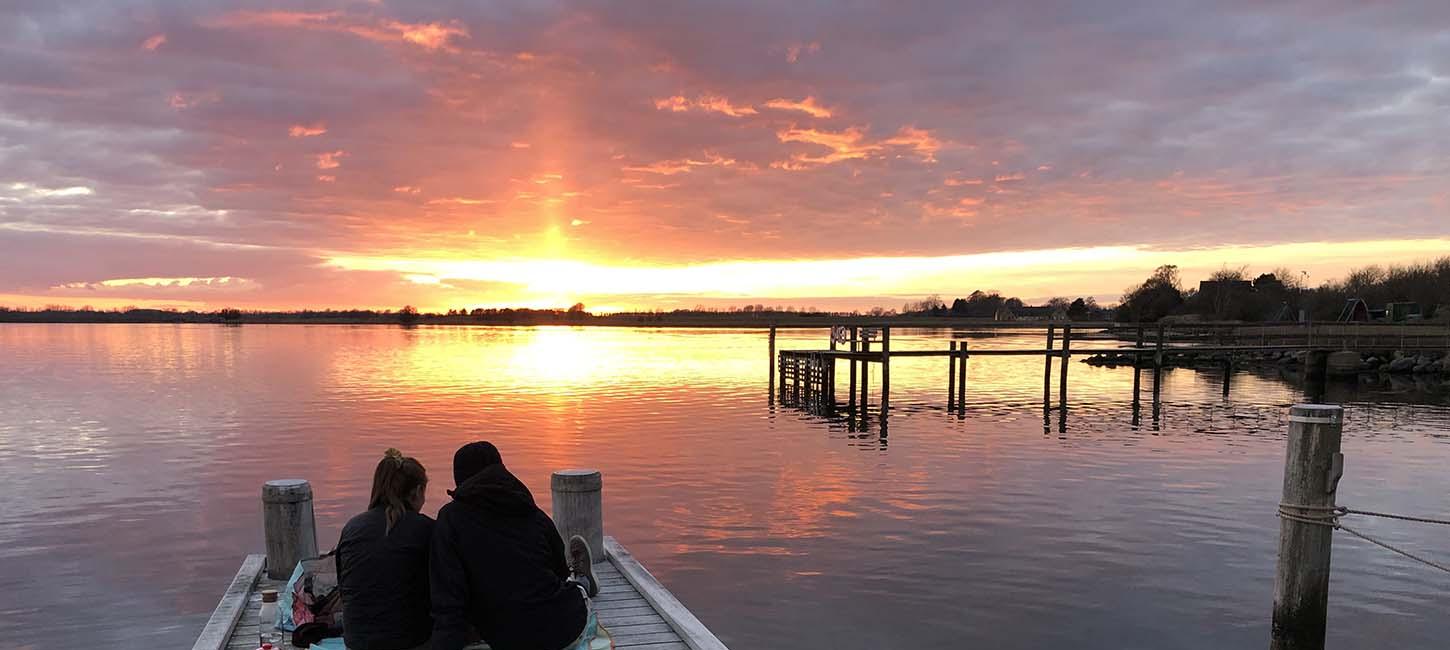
x: 382, y: 561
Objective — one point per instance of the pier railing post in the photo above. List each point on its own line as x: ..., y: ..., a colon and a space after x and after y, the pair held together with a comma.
x: 962, y: 377
x: 289, y: 527
x: 1312, y: 466
x: 579, y: 507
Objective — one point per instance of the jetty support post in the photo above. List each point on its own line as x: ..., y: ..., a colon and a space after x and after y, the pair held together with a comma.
x: 1062, y: 379
x: 1137, y: 371
x: 1047, y: 371
x: 865, y: 375
x: 579, y: 507
x: 951, y: 374
x: 1158, y: 367
x: 851, y: 390
x: 1316, y: 374
x: 1312, y: 467
x: 773, y: 361
x: 885, y: 370
x: 289, y: 526
x: 962, y: 378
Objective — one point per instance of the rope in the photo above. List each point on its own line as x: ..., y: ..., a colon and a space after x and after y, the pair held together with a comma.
x: 1328, y: 516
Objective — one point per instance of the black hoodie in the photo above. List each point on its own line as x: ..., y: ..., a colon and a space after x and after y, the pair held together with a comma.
x: 498, y: 567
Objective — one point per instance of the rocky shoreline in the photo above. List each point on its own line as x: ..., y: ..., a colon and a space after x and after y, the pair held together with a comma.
x: 1342, y: 363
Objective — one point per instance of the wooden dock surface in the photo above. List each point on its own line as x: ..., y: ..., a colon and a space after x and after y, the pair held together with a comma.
x: 637, y: 610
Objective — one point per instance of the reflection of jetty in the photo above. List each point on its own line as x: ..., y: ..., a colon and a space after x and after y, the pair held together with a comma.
x: 638, y: 612
x: 807, y: 378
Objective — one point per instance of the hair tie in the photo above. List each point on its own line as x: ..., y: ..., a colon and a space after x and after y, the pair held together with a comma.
x: 395, y: 455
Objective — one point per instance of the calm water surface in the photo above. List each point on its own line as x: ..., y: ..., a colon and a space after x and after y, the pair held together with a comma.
x: 131, y: 459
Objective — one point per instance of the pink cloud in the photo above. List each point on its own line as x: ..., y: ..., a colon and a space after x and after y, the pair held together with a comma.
x: 154, y: 42
x: 329, y: 160
x: 307, y: 130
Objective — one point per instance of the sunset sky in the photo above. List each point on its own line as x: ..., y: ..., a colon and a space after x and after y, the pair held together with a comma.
x: 668, y: 154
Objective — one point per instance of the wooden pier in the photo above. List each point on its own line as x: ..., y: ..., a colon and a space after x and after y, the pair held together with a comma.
x: 638, y: 611
x: 807, y: 378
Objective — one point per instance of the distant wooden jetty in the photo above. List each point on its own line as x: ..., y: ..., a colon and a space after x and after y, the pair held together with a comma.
x: 807, y: 377
x: 639, y: 612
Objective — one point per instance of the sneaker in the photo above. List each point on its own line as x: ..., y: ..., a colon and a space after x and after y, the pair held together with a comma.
x: 581, y: 564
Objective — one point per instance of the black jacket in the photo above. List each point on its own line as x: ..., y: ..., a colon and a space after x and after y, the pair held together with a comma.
x: 498, y: 567
x: 384, y: 581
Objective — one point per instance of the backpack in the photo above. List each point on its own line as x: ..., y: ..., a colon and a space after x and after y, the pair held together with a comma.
x: 312, y: 595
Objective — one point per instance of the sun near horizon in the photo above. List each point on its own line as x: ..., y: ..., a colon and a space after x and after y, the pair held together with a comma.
x: 373, y: 155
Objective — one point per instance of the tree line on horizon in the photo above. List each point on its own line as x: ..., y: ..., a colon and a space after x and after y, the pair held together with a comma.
x: 1229, y: 294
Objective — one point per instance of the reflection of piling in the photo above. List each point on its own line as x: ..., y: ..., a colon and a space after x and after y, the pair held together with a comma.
x: 865, y: 374
x: 1316, y: 374
x: 1158, y: 371
x: 1137, y: 374
x: 851, y: 390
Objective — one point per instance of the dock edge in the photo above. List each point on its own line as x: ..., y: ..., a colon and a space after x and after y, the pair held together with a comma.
x: 228, y: 612
x: 691, y: 630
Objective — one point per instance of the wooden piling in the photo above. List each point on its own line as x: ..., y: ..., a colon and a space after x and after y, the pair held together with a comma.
x: 579, y: 507
x: 885, y: 370
x: 865, y: 375
x: 1158, y: 367
x: 289, y: 527
x: 773, y: 362
x: 962, y: 378
x: 951, y: 374
x: 1062, y: 379
x: 1047, y: 371
x: 851, y: 391
x: 1312, y: 466
x: 1138, y: 369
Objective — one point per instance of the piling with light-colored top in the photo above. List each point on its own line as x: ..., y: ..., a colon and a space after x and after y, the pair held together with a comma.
x: 579, y: 507
x: 288, y: 524
x: 1312, y: 467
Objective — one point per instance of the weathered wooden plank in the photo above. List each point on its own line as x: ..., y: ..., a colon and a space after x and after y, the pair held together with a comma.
x: 612, y: 619
x: 620, y: 603
x: 218, y: 630
x: 621, y: 638
x: 691, y: 630
x: 642, y: 628
x: 672, y: 645
x: 629, y: 611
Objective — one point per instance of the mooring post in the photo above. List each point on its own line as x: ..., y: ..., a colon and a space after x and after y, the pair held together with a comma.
x: 1137, y: 368
x: 1312, y: 467
x: 851, y: 392
x: 962, y: 378
x: 1047, y: 371
x: 579, y: 507
x: 773, y: 361
x: 866, y: 373
x: 885, y: 370
x: 289, y: 527
x: 1066, y: 354
x: 951, y: 374
x: 1316, y: 374
x: 1228, y: 371
x: 1158, y: 366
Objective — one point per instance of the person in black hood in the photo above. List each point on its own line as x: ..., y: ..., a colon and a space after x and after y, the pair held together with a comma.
x: 498, y: 565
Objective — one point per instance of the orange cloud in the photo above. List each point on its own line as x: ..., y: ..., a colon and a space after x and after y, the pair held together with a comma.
x: 807, y: 105
x: 326, y: 178
x: 307, y: 131
x: 154, y: 42
x: 707, y: 103
x: 1007, y: 178
x: 407, y: 189
x: 918, y: 140
x: 682, y: 166
x: 432, y: 36
x: 953, y: 182
x: 182, y: 101
x: 851, y: 144
x: 329, y: 160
